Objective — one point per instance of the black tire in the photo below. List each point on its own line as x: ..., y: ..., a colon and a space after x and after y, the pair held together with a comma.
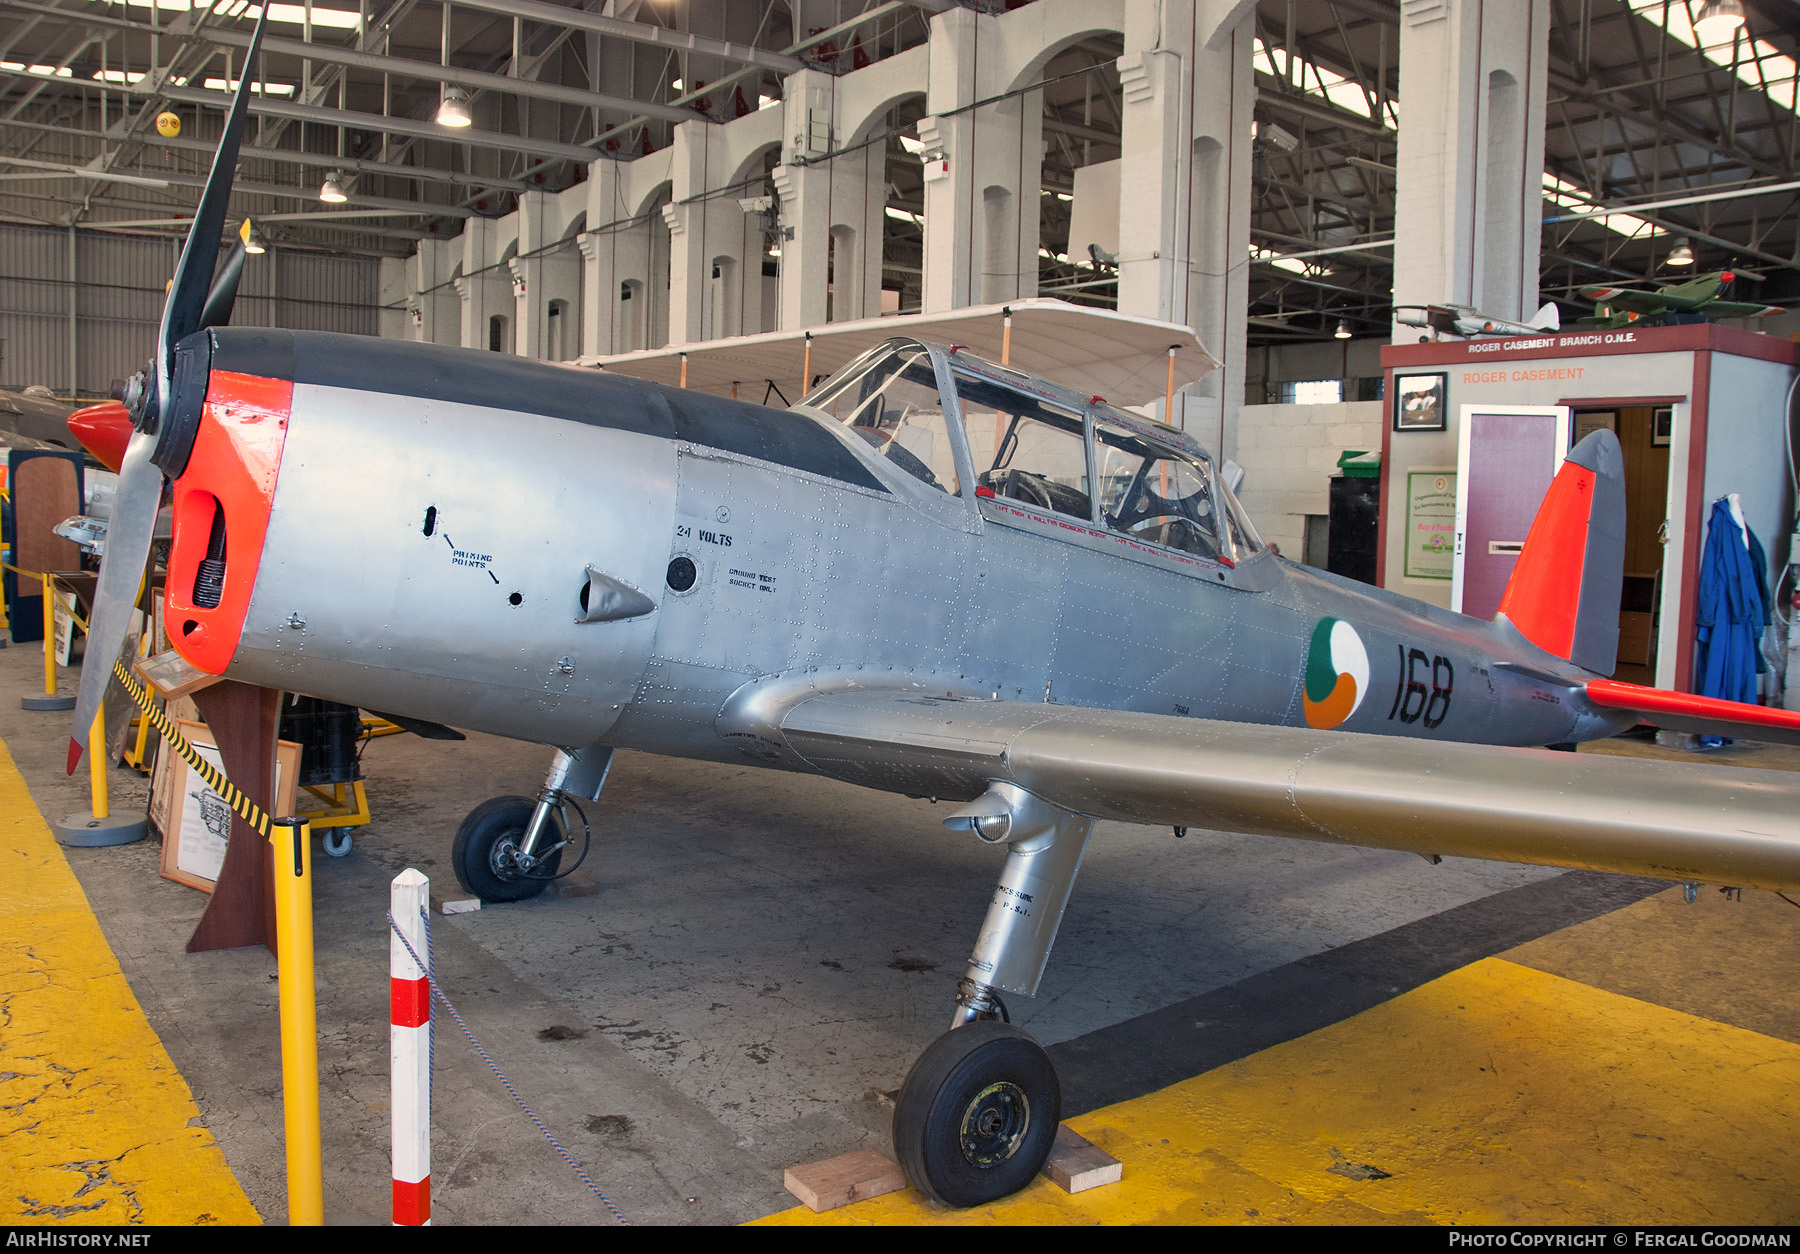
x: 491, y: 831
x: 977, y: 1115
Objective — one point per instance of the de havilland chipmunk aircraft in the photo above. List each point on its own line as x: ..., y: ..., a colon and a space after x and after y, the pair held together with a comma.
x: 935, y: 576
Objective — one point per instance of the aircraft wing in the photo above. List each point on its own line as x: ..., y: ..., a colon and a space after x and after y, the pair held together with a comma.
x: 1095, y: 351
x: 1721, y: 825
x: 1631, y: 300
x: 1737, y: 309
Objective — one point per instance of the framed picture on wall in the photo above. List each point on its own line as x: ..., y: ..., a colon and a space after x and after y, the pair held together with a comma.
x: 1662, y: 426
x: 1588, y: 421
x: 1420, y: 401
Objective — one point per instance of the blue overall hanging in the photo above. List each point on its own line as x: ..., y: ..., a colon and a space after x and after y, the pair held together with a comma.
x: 1732, y: 611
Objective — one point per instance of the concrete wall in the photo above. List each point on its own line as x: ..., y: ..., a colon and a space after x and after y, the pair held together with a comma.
x: 1268, y: 367
x: 116, y: 301
x: 1288, y: 453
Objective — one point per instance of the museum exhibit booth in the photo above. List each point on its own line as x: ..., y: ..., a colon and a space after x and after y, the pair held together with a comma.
x: 1475, y: 430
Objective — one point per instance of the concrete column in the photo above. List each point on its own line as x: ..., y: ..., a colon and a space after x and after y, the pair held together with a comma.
x: 1471, y: 155
x: 484, y: 291
x: 433, y: 308
x: 527, y: 276
x: 832, y: 267
x: 981, y: 191
x: 616, y: 254
x: 1184, y: 191
x: 803, y: 188
x: 618, y: 261
x: 857, y: 268
x: 544, y: 276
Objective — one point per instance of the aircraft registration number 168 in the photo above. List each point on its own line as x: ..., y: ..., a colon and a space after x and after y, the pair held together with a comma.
x: 1412, y: 699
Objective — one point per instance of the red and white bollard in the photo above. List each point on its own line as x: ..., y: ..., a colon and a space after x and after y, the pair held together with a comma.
x: 409, y: 1051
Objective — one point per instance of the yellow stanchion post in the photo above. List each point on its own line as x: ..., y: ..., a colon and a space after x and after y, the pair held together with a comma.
x: 97, y: 764
x: 292, y: 843
x: 49, y: 701
x: 99, y: 827
x: 49, y: 638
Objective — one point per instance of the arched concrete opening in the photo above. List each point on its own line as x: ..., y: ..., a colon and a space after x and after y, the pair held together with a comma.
x: 999, y: 264
x: 755, y: 292
x: 843, y: 269
x: 655, y: 279
x: 630, y: 320
x: 902, y: 223
x: 725, y: 307
x: 1078, y: 187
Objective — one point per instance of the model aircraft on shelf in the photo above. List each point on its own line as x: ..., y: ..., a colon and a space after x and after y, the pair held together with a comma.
x: 1469, y: 323
x: 1696, y: 300
x: 936, y: 576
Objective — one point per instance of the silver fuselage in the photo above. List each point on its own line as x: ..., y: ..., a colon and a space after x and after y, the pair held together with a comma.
x: 426, y: 555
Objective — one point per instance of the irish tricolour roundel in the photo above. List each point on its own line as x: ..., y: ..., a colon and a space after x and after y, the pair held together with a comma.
x: 1337, y: 674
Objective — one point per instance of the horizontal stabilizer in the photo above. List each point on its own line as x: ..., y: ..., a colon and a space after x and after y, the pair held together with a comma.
x: 1709, y: 716
x: 421, y: 727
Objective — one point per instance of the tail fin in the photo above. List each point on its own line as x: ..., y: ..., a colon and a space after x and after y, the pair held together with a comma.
x: 1549, y: 318
x: 1564, y: 592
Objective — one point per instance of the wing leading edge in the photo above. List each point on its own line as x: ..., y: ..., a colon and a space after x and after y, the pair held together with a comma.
x: 1719, y: 824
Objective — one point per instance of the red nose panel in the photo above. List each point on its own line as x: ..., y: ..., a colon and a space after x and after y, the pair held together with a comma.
x: 222, y: 503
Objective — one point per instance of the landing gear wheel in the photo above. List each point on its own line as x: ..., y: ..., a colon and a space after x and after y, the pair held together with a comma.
x: 485, y: 854
x: 337, y: 843
x: 977, y: 1115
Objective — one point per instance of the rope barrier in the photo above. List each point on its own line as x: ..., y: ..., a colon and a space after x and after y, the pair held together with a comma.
x: 241, y: 805
x: 505, y: 1083
x: 40, y: 575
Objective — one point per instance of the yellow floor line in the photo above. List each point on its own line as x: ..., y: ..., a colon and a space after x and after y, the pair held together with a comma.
x: 1497, y: 1094
x: 96, y: 1124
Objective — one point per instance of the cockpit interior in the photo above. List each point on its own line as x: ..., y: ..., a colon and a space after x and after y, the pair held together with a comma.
x: 1030, y: 442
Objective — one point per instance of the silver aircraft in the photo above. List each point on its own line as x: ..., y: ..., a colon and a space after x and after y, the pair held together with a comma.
x: 1464, y: 321
x: 936, y: 576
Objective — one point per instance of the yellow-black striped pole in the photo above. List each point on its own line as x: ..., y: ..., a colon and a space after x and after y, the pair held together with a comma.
x: 291, y: 841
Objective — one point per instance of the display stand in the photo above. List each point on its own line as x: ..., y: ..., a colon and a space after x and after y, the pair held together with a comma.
x: 241, y: 911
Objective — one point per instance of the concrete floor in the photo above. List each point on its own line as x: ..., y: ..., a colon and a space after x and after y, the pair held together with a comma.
x: 765, y: 957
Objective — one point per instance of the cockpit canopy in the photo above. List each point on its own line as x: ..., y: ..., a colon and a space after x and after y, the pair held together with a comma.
x: 968, y: 427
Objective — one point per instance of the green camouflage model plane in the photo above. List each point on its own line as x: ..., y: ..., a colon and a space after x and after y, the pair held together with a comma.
x: 1622, y: 306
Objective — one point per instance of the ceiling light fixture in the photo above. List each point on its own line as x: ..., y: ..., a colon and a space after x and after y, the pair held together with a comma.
x: 453, y: 106
x: 332, y: 190
x: 253, y: 240
x: 1719, y: 22
x: 1343, y: 331
x: 1680, y: 255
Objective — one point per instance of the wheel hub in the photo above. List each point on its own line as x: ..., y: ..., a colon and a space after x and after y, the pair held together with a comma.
x: 994, y: 1124
x: 503, y: 859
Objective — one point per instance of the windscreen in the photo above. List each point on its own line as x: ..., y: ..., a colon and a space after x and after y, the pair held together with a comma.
x: 890, y: 398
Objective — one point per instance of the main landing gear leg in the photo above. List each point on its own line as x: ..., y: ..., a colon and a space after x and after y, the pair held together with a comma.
x: 977, y: 1115
x: 508, y: 848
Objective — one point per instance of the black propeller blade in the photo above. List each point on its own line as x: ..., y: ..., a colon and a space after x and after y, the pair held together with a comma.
x: 140, y: 482
x: 224, y: 289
